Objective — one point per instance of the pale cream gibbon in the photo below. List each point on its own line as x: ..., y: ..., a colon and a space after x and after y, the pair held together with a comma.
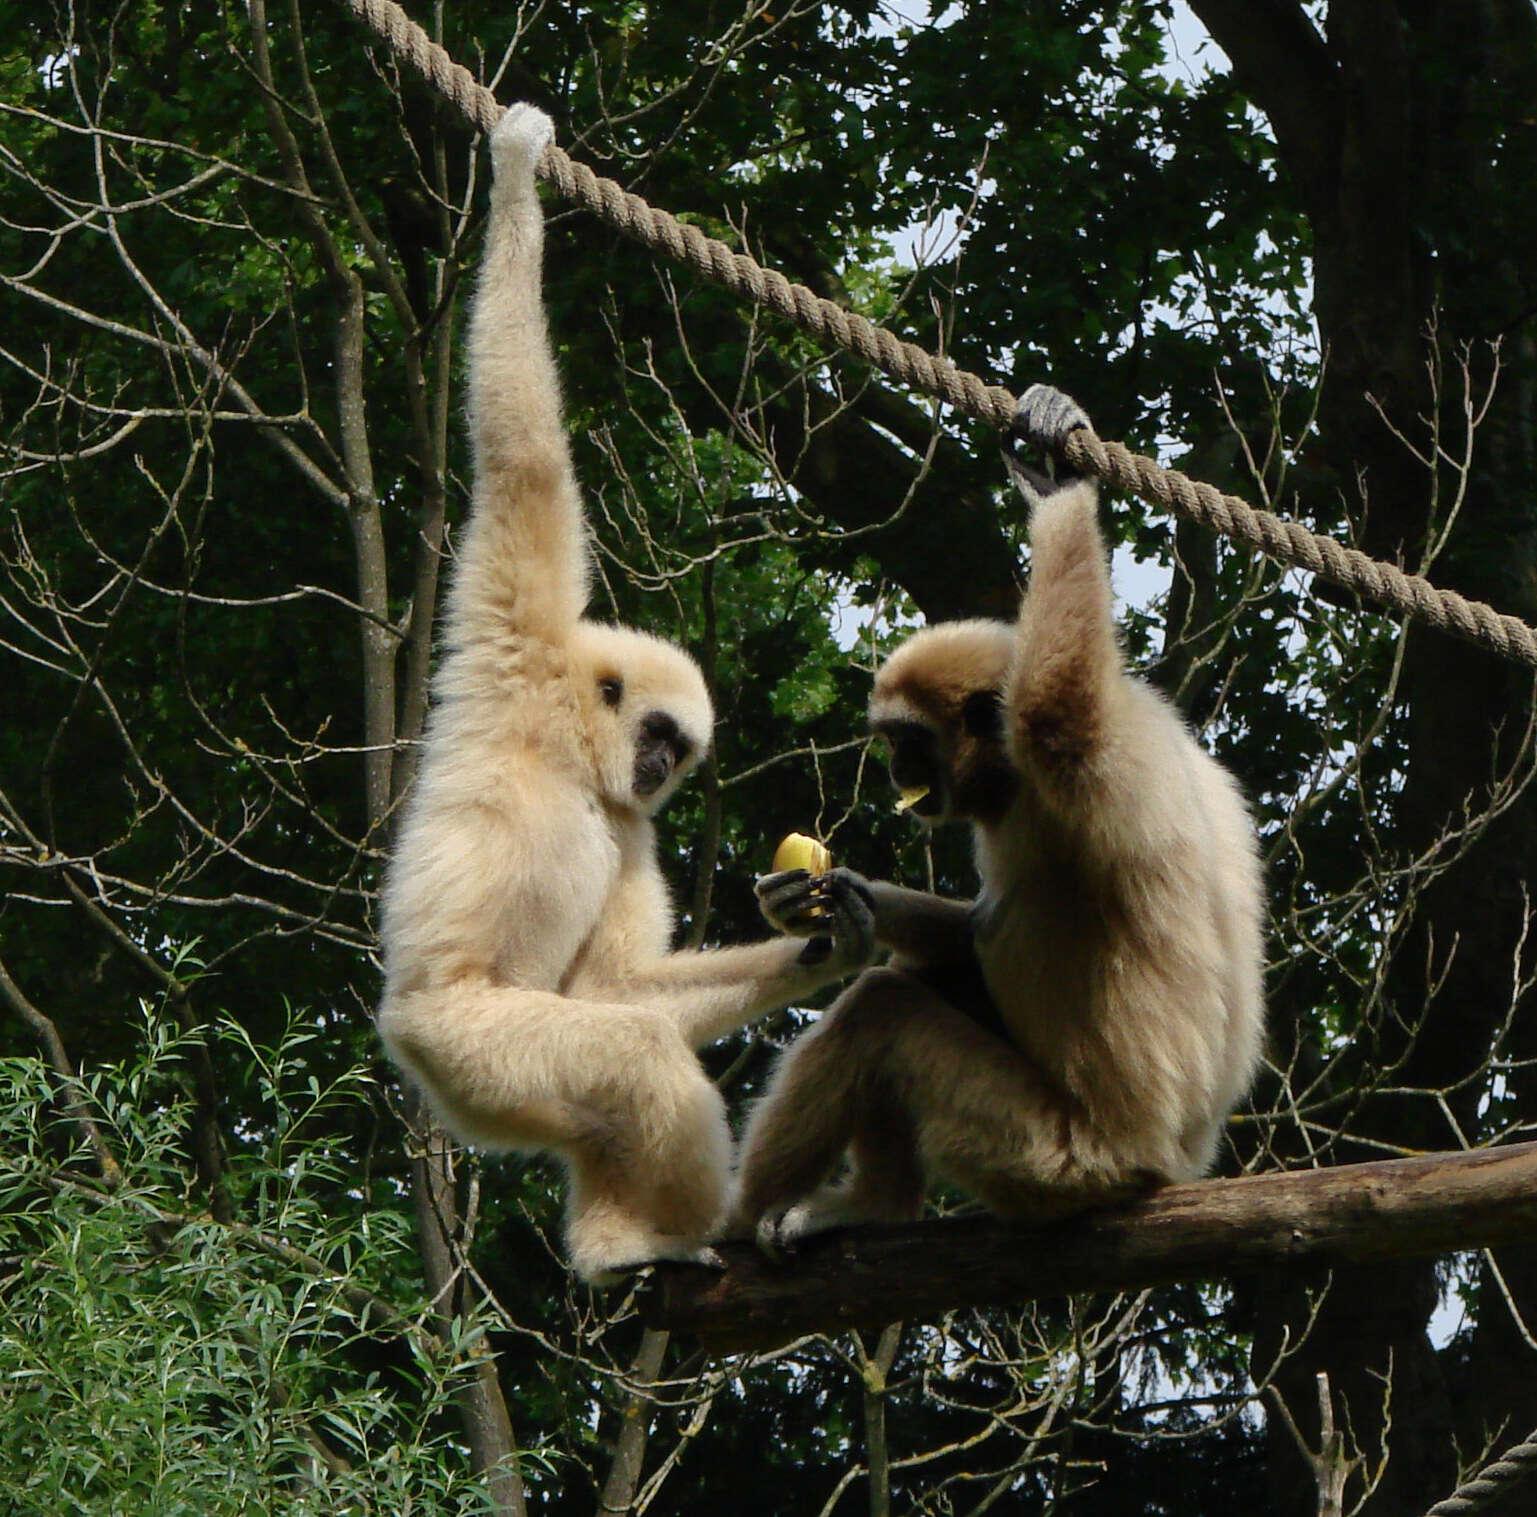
x: 529, y: 988
x: 1081, y: 1030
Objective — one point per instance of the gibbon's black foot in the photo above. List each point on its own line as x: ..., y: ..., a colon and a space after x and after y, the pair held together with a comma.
x: 641, y: 1270
x: 1043, y: 417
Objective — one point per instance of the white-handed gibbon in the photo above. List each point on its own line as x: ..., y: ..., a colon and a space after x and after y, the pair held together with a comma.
x: 1084, y: 1028
x: 529, y: 987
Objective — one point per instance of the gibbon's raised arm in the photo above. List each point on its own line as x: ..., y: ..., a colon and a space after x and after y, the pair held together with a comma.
x: 1067, y: 682
x: 523, y: 556
x: 1099, y: 747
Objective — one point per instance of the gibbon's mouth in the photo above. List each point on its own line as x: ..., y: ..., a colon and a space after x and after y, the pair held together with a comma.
x: 929, y: 807
x: 653, y: 768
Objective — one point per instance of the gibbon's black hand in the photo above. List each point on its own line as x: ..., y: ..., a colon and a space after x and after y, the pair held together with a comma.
x: 789, y: 902
x: 1043, y: 417
x: 848, y: 913
x: 795, y: 902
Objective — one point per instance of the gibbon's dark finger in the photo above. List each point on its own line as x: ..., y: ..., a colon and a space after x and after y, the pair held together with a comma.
x: 791, y: 902
x: 1043, y: 417
x: 843, y: 878
x: 853, y: 923
x: 771, y: 888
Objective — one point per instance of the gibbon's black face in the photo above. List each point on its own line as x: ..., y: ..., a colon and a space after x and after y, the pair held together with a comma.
x: 938, y: 702
x: 915, y: 763
x: 964, y: 770
x: 659, y: 749
x: 660, y: 745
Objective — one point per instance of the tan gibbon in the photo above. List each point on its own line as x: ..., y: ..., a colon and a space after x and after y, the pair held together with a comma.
x: 1084, y: 1028
x: 529, y: 989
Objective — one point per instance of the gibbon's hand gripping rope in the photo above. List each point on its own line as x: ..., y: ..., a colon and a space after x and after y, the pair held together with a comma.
x: 1287, y: 542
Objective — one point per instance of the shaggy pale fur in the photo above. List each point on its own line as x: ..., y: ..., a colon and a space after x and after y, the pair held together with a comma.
x: 1119, y: 933
x: 529, y: 988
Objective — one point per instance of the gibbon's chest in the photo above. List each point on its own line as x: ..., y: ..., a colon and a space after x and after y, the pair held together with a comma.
x: 1048, y: 942
x: 634, y: 924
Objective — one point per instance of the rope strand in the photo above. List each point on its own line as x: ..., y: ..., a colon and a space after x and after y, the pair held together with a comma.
x: 1513, y: 1466
x: 1287, y: 542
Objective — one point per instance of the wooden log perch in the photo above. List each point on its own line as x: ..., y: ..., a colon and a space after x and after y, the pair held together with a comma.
x: 867, y: 1276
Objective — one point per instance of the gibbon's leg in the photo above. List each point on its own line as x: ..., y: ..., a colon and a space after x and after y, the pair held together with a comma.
x: 523, y: 554
x: 821, y: 1102
x: 982, y: 1114
x: 612, y: 1089
x: 657, y: 1191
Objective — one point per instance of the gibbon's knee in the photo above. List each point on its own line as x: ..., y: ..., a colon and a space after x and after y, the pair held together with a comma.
x: 670, y: 1164
x: 825, y: 1087
x: 872, y: 1005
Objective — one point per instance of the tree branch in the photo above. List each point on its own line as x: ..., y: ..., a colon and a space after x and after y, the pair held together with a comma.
x: 863, y: 1277
x: 1281, y: 60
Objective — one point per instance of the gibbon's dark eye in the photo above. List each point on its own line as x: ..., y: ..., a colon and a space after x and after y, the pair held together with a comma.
x: 982, y: 715
x: 611, y: 688
x: 659, y: 730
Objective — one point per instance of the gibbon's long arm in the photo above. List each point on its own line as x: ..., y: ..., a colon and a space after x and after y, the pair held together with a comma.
x: 710, y: 992
x: 1106, y: 756
x: 523, y: 556
x: 1067, y: 675
x: 714, y: 991
x: 921, y: 926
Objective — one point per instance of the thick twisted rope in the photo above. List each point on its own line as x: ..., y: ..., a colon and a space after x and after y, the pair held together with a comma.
x: 1515, y: 1464
x: 911, y: 366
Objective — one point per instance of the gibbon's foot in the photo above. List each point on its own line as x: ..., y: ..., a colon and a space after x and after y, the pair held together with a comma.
x: 778, y: 1233
x: 771, y: 1243
x: 637, y: 1270
x: 519, y: 139
x: 844, y: 922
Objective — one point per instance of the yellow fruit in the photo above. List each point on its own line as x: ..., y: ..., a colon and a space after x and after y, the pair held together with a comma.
x: 801, y: 852
x: 911, y: 796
